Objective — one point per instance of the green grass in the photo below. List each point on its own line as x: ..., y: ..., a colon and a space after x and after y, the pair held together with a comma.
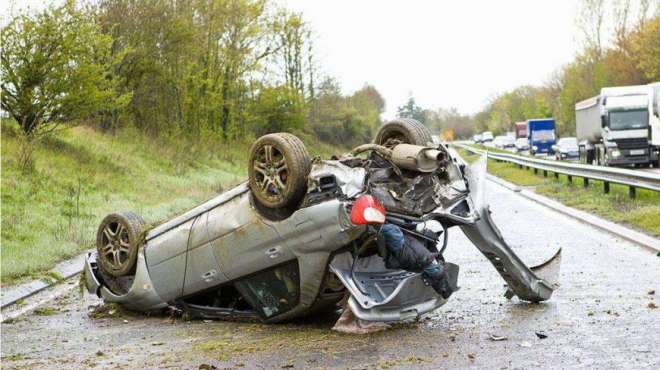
x: 82, y: 174
x: 641, y: 213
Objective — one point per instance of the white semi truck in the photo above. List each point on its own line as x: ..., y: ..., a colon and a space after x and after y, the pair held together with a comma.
x: 620, y: 126
x: 654, y: 123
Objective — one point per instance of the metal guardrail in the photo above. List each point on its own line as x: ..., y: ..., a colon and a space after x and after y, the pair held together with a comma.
x: 631, y: 178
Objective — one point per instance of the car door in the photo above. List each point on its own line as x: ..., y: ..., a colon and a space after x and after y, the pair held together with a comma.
x: 243, y: 242
x: 202, y: 268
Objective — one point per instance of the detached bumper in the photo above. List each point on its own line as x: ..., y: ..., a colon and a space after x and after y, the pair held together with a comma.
x: 139, y: 296
x: 529, y: 284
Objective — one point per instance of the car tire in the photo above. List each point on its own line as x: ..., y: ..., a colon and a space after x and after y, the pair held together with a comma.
x: 118, y: 239
x: 403, y: 130
x: 278, y: 169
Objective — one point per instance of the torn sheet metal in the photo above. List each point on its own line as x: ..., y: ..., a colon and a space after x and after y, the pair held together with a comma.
x: 411, y: 195
x: 349, y: 179
x: 521, y: 280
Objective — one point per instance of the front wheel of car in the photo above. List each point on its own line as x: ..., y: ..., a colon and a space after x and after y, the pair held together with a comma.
x: 278, y: 169
x: 403, y: 131
x: 117, y: 242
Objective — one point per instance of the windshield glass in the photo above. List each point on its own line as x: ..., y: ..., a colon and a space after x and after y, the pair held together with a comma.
x: 627, y: 120
x: 543, y: 135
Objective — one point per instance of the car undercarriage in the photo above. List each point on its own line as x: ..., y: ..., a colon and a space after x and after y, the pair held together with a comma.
x: 296, y: 238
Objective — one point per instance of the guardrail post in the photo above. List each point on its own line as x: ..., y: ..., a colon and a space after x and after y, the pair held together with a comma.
x: 536, y: 170
x: 556, y: 175
x: 632, y: 191
x: 570, y: 179
x: 606, y: 187
x: 545, y: 173
x: 586, y: 182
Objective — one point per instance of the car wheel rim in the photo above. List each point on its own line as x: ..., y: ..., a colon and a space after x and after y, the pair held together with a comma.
x: 116, y: 245
x: 271, y: 172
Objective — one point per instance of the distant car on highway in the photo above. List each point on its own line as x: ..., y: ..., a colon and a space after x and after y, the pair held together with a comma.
x: 476, y: 139
x: 504, y: 142
x: 566, y: 149
x: 522, y: 145
x: 486, y: 136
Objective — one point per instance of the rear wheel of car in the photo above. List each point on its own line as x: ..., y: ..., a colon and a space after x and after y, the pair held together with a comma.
x: 403, y: 130
x: 278, y: 169
x: 117, y: 242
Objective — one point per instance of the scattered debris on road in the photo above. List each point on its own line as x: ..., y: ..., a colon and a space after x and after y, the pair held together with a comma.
x: 541, y: 334
x: 497, y: 338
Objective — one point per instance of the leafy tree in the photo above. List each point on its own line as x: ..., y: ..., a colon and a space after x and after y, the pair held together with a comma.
x: 345, y: 120
x: 450, y: 123
x: 411, y: 110
x: 55, y: 70
x: 645, y: 49
x: 295, y: 50
x: 278, y: 109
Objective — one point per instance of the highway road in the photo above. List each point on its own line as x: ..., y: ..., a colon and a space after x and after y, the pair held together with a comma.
x: 603, y: 316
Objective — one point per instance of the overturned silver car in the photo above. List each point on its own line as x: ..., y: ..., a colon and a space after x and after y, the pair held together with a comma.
x: 302, y: 234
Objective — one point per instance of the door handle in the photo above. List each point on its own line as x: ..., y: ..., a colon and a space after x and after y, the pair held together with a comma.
x: 209, y: 275
x: 274, y: 252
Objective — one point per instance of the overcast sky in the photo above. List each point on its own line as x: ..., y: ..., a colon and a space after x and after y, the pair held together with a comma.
x: 446, y: 53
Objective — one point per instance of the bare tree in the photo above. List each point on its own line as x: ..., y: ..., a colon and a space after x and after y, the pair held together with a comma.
x: 621, y: 11
x: 590, y: 21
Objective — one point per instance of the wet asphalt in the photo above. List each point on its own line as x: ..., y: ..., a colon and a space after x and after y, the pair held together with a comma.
x: 602, y: 316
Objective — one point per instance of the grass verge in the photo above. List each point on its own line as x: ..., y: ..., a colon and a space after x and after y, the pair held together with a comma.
x: 641, y: 213
x: 82, y: 174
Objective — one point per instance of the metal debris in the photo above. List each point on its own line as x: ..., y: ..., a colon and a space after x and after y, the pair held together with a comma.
x: 497, y: 338
x: 541, y: 334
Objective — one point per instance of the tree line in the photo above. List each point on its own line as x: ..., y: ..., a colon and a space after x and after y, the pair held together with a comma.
x: 631, y: 57
x: 229, y: 69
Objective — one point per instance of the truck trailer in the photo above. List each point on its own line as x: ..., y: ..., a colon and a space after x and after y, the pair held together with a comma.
x: 613, y: 127
x: 521, y: 129
x: 541, y: 135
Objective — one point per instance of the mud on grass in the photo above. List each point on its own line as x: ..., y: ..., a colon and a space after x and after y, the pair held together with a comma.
x: 308, y: 339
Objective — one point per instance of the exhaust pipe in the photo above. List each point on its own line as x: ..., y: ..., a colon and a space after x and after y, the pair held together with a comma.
x: 416, y: 158
x: 406, y: 156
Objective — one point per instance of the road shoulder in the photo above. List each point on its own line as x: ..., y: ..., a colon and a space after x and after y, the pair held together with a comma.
x: 636, y: 237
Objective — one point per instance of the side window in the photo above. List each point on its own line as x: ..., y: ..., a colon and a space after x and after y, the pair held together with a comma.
x: 273, y: 291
